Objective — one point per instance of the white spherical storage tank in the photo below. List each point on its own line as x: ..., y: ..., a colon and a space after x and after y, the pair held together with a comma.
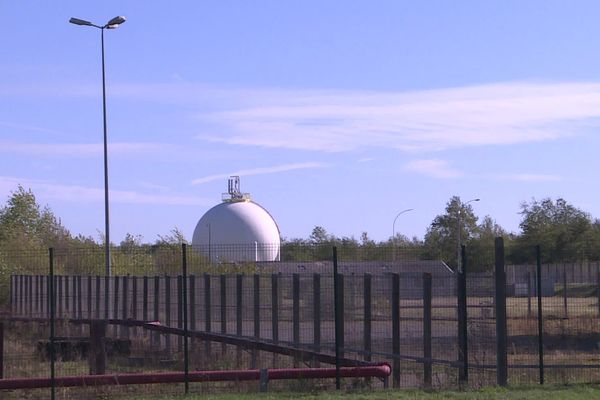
x: 237, y: 230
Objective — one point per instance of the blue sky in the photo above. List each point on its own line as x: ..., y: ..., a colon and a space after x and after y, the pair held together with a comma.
x: 335, y: 113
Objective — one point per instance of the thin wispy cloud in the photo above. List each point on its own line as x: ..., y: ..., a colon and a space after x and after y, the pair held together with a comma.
x: 334, y: 121
x: 78, y: 149
x: 260, y: 171
x: 439, y: 169
x: 75, y: 193
x: 529, y: 177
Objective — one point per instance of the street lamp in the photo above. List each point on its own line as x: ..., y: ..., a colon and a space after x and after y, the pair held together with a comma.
x: 112, y: 24
x: 459, y: 257
x: 394, y: 228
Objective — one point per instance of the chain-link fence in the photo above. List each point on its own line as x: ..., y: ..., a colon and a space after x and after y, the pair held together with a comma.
x: 434, y: 326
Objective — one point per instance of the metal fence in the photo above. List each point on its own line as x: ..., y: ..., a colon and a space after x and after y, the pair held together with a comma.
x: 436, y: 328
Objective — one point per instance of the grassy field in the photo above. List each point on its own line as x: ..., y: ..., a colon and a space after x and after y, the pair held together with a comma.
x: 577, y: 392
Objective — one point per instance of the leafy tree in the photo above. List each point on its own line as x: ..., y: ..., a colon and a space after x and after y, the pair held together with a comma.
x: 563, y: 231
x: 24, y: 224
x: 441, y: 239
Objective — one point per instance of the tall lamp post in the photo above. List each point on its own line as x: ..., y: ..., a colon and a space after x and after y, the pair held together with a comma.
x: 394, y: 229
x: 459, y: 229
x: 112, y: 24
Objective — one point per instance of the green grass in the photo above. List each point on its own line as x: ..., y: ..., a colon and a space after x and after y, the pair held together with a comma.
x: 571, y: 392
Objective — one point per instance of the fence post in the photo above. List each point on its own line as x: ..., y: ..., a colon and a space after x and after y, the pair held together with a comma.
x: 367, y: 316
x: 317, y: 315
x: 336, y: 306
x: 500, y: 304
x: 538, y: 256
x: 97, y: 352
x: 463, y: 332
x: 396, y: 330
x: 427, y: 365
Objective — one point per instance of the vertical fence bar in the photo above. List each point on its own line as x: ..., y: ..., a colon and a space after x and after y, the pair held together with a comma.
x: 275, y: 308
x: 501, y: 341
x: 179, y: 311
x: 463, y: 353
x: 115, y: 313
x: 59, y: 295
x: 134, y: 300
x: 36, y: 296
x: 145, y: 298
x: 106, y: 297
x: 239, y: 304
x: 12, y: 294
x: 52, y: 302
x: 156, y: 309
x: 223, y: 293
x: 396, y: 329
x: 538, y: 256
x: 336, y: 306
x: 239, y: 283
x: 97, y: 292
x: 565, y: 295
x: 427, y: 364
x: 186, y: 356
x: 1, y: 350
x: 342, y: 314
x: 317, y: 312
x: 367, y: 312
x: 192, y: 303
x: 79, y: 302
x: 296, y: 309
x: 207, y: 311
x: 168, y: 312
x: 256, y: 307
x: 598, y: 288
x: 89, y: 297
x: 124, y: 313
x: 529, y: 294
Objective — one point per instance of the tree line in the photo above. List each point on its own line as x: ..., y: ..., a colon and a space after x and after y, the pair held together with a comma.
x: 564, y: 232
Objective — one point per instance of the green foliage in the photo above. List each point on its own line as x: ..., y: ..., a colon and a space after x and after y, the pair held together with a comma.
x: 441, y: 239
x: 564, y: 232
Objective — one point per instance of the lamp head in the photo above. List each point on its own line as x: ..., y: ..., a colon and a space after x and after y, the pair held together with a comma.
x: 78, y: 21
x: 115, y: 22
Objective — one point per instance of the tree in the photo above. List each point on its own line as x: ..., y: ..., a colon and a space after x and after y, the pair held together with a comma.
x: 441, y: 239
x: 563, y: 231
x: 24, y: 224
